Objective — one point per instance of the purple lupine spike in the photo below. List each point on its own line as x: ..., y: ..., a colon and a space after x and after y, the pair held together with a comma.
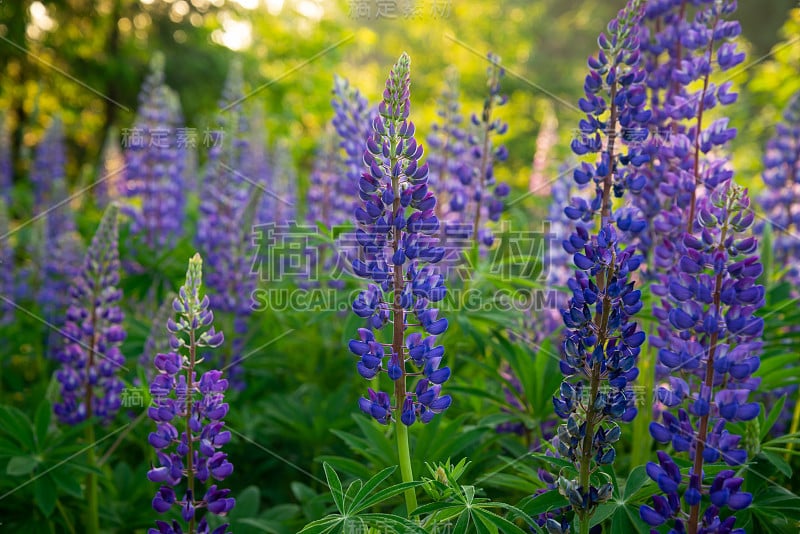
x: 156, y: 342
x: 189, y: 414
x: 602, y: 342
x: 90, y: 355
x: 60, y: 252
x: 222, y: 237
x: 680, y: 56
x: 397, y: 225
x: 708, y: 337
x: 484, y: 196
x: 7, y: 272
x: 154, y: 163
x: 351, y: 121
x: 781, y: 201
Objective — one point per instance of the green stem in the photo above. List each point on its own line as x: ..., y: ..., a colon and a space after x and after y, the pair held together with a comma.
x: 404, y: 457
x: 92, y: 509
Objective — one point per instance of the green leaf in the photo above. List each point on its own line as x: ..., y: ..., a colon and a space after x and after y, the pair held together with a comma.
x: 779, y: 463
x: 774, y: 413
x: 602, y: 513
x: 335, y: 486
x: 503, y: 524
x: 17, y: 425
x: 636, y: 480
x: 370, y: 485
x: 247, y: 503
x: 21, y: 465
x: 388, y: 493
x: 321, y: 526
x: 66, y: 482
x: 543, y: 503
x: 41, y: 423
x: 45, y: 495
x: 349, y: 495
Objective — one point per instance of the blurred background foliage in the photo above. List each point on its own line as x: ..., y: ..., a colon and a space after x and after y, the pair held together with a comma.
x: 85, y: 60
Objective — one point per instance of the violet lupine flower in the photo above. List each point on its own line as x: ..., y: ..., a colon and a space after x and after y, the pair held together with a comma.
x: 781, y: 175
x: 154, y: 161
x: 60, y: 249
x: 482, y: 194
x: 710, y: 304
x: 447, y: 145
x: 90, y: 355
x: 222, y: 235
x: 602, y: 342
x: 195, y: 406
x: 399, y: 252
x: 352, y: 122
x: 679, y: 57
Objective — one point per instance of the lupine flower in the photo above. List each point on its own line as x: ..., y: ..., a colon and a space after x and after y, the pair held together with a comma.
x: 482, y: 194
x: 710, y: 304
x: 398, y: 256
x: 352, y: 122
x: 222, y: 236
x: 191, y: 454
x: 90, y: 356
x: 154, y: 161
x: 602, y: 342
x: 59, y: 255
x: 447, y: 146
x: 781, y: 175
x: 679, y: 57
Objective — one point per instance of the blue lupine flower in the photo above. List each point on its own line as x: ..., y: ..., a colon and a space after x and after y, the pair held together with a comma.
x: 602, y: 342
x: 90, y: 356
x: 710, y: 305
x: 195, y: 406
x: 397, y: 225
x: 154, y: 163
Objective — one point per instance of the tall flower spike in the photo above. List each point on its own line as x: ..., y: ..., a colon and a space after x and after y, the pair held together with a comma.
x: 707, y: 335
x: 781, y: 201
x: 679, y: 53
x: 396, y: 233
x: 222, y: 237
x: 485, y: 196
x: 109, y: 179
x: 711, y: 306
x: 189, y: 458
x: 602, y: 342
x: 90, y: 355
x: 154, y: 163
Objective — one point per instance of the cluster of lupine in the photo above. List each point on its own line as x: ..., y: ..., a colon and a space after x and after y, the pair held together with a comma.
x: 482, y: 196
x: 708, y: 335
x: 59, y: 256
x: 447, y: 144
x: 198, y: 408
x: 155, y: 155
x: 781, y: 175
x: 602, y: 343
x: 679, y: 44
x: 221, y: 235
x: 399, y: 251
x: 90, y: 355
x: 351, y: 121
x: 710, y: 305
